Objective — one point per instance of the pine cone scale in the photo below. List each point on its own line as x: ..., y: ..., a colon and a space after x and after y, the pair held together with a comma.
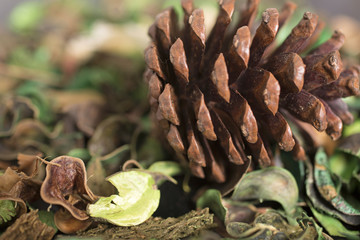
x: 307, y: 108
x: 279, y: 130
x: 178, y: 60
x: 237, y: 57
x: 288, y: 69
x: 216, y: 37
x: 264, y: 36
x: 297, y: 40
x: 322, y: 69
x: 261, y: 90
x: 204, y: 122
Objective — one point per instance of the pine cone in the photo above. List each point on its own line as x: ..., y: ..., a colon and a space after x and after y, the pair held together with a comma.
x: 222, y: 100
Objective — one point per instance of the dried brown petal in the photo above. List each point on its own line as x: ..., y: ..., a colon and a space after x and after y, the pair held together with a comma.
x: 85, y: 116
x: 28, y: 163
x: 8, y: 180
x: 12, y: 110
x: 19, y: 186
x: 65, y: 185
x: 107, y: 139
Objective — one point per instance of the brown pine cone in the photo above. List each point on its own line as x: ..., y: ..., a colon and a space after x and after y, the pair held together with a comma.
x: 221, y: 100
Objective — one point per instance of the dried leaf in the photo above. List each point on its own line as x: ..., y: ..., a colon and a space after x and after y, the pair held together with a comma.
x: 327, y: 187
x: 275, y: 184
x: 320, y: 203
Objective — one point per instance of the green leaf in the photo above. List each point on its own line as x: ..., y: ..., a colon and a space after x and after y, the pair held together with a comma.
x: 334, y: 226
x: 47, y: 217
x: 137, y: 200
x: 168, y: 168
x: 7, y: 210
x: 81, y: 153
x: 26, y: 15
x: 35, y: 93
x: 274, y: 184
x: 212, y: 199
x: 351, y: 129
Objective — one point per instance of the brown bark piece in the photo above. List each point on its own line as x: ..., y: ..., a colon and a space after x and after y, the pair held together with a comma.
x: 28, y: 227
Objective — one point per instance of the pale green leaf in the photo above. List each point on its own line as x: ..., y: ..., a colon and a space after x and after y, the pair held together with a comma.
x: 137, y: 200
